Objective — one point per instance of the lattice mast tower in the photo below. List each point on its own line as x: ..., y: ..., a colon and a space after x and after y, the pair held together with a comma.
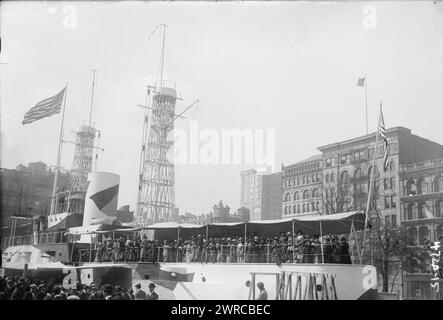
x: 86, y: 137
x: 156, y: 197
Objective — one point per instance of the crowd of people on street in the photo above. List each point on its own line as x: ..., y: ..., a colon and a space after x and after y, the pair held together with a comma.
x: 282, y: 248
x: 19, y: 288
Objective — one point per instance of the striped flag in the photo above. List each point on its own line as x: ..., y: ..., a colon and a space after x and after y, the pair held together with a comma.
x: 45, y: 108
x: 384, y: 136
x: 361, y: 82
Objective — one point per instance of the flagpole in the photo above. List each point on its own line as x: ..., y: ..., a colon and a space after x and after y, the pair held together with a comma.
x: 370, y: 185
x: 60, y: 141
x: 366, y: 103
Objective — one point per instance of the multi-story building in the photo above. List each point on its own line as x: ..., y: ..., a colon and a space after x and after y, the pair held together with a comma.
x: 261, y: 194
x: 302, y: 186
x: 26, y: 192
x: 421, y: 202
x: 347, y: 167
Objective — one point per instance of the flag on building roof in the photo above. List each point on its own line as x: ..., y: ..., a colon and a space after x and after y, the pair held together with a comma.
x: 45, y: 108
x: 384, y: 136
x: 361, y: 82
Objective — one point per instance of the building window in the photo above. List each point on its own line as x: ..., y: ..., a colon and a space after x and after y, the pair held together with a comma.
x: 304, y: 207
x: 412, y: 235
x: 304, y: 179
x: 289, y: 210
x: 391, y: 165
x: 298, y: 181
x: 421, y: 211
x: 296, y: 195
x: 295, y: 209
x: 423, y: 235
x: 387, y: 221
x: 315, y: 193
x: 298, y: 208
x: 393, y: 202
x: 327, y: 178
x: 306, y: 194
x: 439, y: 208
x: 386, y: 185
x: 438, y: 184
x: 332, y: 177
x: 411, y: 188
x: 412, y: 211
x: 387, y: 202
x: 370, y: 153
x: 422, y: 186
x: 317, y: 177
x: 287, y: 197
x: 343, y: 159
x: 394, y: 221
x: 308, y: 207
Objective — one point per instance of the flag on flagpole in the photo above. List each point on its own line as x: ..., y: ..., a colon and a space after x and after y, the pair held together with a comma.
x: 361, y: 82
x: 384, y: 136
x: 45, y: 108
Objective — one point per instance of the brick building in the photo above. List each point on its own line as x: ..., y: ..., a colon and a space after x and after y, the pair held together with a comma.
x: 26, y: 192
x: 302, y: 185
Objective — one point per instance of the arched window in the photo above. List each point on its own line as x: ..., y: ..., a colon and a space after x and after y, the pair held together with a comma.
x: 308, y: 179
x: 421, y: 212
x: 306, y: 194
x: 438, y: 184
x: 412, y: 235
x: 304, y: 207
x: 327, y: 178
x: 344, y: 177
x: 411, y: 187
x: 289, y: 210
x: 295, y: 209
x: 412, y: 211
x: 317, y: 177
x: 296, y: 195
x: 332, y: 176
x: 298, y: 181
x: 315, y: 193
x: 438, y: 208
x: 286, y: 210
x: 438, y: 232
x: 358, y: 173
x: 308, y: 207
x: 422, y: 186
x: 423, y: 235
x: 304, y: 179
x: 298, y: 208
x: 287, y: 197
x: 317, y: 205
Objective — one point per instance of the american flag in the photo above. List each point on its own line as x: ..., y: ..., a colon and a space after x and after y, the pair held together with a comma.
x: 384, y: 136
x: 45, y: 108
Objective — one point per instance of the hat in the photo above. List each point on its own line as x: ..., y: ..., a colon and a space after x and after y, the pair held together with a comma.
x: 152, y: 285
x: 93, y: 286
x: 73, y: 297
x: 42, y: 286
x: 138, y: 285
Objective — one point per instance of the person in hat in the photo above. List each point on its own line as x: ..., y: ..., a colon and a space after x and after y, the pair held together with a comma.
x: 118, y: 293
x: 263, y: 294
x: 30, y: 292
x: 152, y: 295
x: 240, y: 251
x: 139, y: 293
x: 94, y: 294
x: 344, y: 249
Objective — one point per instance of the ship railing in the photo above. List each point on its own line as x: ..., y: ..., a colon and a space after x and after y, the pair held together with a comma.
x: 225, y: 254
x: 34, y: 239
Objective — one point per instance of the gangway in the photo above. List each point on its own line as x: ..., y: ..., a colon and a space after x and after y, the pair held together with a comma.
x: 298, y: 285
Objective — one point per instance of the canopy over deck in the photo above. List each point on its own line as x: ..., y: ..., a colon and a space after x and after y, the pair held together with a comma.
x: 339, y: 223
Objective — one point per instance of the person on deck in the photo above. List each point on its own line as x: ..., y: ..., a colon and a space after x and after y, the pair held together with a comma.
x: 345, y: 256
x: 152, y: 295
x: 263, y: 294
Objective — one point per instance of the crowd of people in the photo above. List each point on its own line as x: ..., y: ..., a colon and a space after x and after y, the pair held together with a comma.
x: 19, y: 288
x: 279, y: 249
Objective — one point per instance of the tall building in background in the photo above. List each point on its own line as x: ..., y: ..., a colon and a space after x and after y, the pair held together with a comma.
x: 338, y: 179
x: 26, y: 192
x: 301, y: 186
x: 261, y: 194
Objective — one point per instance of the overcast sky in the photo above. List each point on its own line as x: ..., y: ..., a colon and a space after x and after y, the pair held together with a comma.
x: 291, y: 67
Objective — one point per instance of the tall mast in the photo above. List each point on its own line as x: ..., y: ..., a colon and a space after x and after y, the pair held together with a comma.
x: 92, y: 96
x: 163, y: 54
